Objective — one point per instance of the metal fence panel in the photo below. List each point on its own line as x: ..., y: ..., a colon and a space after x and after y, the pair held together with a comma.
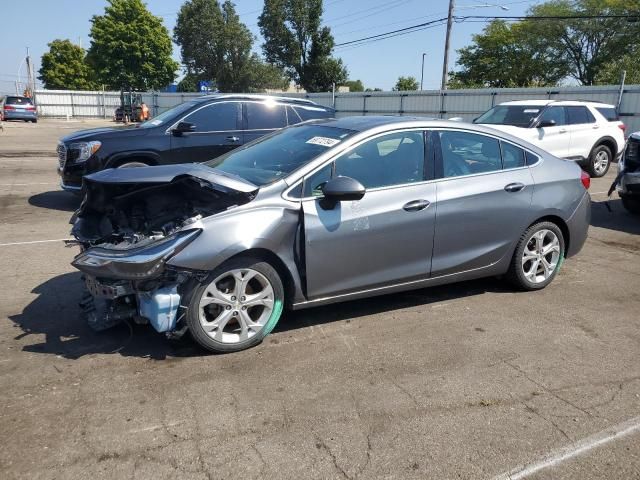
x: 467, y: 104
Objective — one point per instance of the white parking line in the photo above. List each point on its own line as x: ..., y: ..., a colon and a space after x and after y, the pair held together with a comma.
x: 34, y: 242
x: 577, y: 448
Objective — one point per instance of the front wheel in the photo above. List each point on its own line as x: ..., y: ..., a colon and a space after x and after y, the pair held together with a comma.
x: 538, y: 256
x: 237, y: 306
x: 599, y: 161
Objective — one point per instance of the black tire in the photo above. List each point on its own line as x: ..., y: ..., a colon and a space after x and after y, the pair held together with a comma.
x: 516, y: 274
x: 193, y: 311
x: 592, y: 164
x: 632, y: 205
x: 34, y: 121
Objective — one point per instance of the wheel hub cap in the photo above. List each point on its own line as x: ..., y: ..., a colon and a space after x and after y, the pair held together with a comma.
x: 236, y: 305
x: 540, y: 256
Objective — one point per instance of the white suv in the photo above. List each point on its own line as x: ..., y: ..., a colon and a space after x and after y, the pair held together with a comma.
x: 590, y: 133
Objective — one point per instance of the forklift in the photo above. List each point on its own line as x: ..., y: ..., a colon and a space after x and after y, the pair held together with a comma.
x: 132, y: 108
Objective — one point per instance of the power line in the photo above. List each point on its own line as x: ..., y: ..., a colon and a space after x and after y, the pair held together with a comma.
x: 403, y: 31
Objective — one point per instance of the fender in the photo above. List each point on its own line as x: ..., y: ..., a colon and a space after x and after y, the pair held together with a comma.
x: 605, y: 139
x: 153, y: 156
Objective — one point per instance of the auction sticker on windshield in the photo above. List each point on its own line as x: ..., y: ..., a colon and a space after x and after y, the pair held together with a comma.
x: 324, y: 141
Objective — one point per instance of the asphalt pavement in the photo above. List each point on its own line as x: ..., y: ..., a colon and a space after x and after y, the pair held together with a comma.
x: 472, y: 381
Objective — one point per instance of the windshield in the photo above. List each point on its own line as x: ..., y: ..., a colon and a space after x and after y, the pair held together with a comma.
x: 168, y: 115
x: 516, y: 115
x: 275, y: 156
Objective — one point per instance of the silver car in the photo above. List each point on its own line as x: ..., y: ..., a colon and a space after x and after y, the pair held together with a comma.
x: 322, y: 212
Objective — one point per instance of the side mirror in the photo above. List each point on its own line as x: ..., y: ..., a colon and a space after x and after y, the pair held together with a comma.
x: 340, y: 189
x: 183, y: 127
x: 546, y: 123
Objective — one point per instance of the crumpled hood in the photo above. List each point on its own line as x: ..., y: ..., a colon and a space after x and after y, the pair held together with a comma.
x: 168, y: 173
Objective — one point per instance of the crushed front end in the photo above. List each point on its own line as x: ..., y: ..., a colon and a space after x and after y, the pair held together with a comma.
x: 127, y: 231
x: 627, y: 182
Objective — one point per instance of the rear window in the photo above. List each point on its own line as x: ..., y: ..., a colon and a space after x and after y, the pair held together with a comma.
x: 18, y: 101
x: 610, y: 113
x: 310, y: 113
x: 265, y: 116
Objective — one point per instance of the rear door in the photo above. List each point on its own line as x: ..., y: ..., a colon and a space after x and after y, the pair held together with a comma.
x: 583, y: 130
x: 217, y: 131
x: 261, y: 118
x: 384, y: 238
x: 482, y: 207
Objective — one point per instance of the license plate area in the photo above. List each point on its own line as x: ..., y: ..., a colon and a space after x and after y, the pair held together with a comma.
x: 99, y: 289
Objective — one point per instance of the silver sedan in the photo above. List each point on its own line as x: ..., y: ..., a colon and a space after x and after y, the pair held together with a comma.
x: 325, y: 211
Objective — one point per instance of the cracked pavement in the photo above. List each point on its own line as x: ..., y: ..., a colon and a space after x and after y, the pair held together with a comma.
x: 464, y: 381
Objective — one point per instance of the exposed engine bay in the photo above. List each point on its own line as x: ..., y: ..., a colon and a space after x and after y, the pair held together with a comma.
x: 133, y: 215
x: 127, y: 230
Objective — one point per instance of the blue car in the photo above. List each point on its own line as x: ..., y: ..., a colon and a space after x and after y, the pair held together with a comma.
x: 18, y: 108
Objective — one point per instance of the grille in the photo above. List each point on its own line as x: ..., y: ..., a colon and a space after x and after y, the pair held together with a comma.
x: 632, y: 154
x: 62, y: 154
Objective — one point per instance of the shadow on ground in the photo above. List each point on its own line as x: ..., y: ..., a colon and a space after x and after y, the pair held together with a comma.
x: 55, y: 314
x: 617, y: 219
x: 56, y: 200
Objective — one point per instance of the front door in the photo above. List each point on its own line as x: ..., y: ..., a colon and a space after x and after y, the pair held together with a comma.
x: 217, y: 131
x: 554, y: 139
x: 386, y: 237
x: 483, y: 201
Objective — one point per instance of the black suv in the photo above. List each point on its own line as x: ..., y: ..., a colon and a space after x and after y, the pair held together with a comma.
x: 194, y: 131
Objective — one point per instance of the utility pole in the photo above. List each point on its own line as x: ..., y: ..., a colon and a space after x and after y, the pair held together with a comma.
x: 422, y: 71
x: 445, y: 63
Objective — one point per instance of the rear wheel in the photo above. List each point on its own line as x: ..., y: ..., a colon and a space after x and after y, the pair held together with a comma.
x: 538, y: 256
x: 599, y: 161
x: 632, y: 205
x: 237, y: 306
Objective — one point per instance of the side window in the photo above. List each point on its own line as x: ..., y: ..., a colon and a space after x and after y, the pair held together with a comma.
x: 292, y: 116
x: 579, y: 115
x: 263, y: 116
x: 310, y: 113
x: 314, y: 182
x: 532, y: 159
x: 465, y: 153
x: 215, y: 117
x: 387, y: 160
x: 555, y: 113
x: 512, y: 156
x: 609, y: 113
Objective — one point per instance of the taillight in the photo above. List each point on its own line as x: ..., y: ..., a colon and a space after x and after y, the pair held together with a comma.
x: 9, y: 107
x: 31, y: 108
x: 585, y: 179
x: 622, y: 127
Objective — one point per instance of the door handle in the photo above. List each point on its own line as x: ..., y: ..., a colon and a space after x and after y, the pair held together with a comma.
x: 514, y: 187
x: 595, y: 127
x: 233, y: 139
x: 416, y: 205
x: 562, y: 130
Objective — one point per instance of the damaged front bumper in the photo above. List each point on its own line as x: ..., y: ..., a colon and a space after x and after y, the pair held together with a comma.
x: 134, y: 283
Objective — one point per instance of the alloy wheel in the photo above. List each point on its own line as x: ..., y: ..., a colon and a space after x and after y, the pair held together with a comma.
x: 236, y: 305
x: 540, y: 256
x: 601, y: 162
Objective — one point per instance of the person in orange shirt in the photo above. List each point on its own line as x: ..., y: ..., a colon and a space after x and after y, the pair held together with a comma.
x: 145, y: 112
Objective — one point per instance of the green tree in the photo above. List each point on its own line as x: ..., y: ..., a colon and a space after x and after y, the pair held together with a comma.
x: 296, y: 42
x: 215, y: 44
x: 585, y: 44
x: 406, y: 83
x: 189, y: 83
x: 354, y: 85
x: 131, y: 47
x: 610, y: 73
x: 508, y: 55
x: 63, y: 67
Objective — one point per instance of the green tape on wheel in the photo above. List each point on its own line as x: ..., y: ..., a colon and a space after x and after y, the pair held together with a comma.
x: 560, y: 262
x: 273, y: 319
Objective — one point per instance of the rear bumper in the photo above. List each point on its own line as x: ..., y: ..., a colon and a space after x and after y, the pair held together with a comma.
x: 629, y: 184
x: 578, y: 225
x: 17, y: 115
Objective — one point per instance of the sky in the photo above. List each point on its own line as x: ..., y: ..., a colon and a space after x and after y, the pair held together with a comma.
x: 377, y: 64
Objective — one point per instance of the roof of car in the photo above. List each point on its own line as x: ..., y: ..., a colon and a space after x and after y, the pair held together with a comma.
x: 368, y: 122
x: 251, y: 96
x: 556, y: 102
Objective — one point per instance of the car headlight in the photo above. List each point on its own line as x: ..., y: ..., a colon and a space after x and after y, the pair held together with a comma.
x: 135, y: 263
x: 85, y: 150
